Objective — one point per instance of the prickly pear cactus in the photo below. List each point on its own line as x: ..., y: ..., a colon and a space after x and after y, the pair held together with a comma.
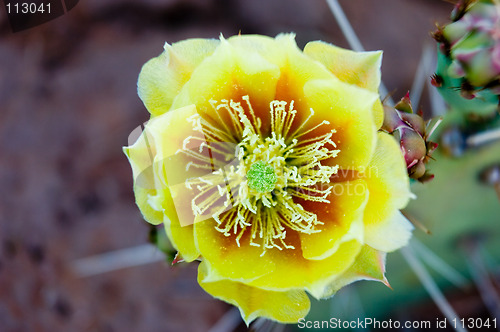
x: 468, y: 72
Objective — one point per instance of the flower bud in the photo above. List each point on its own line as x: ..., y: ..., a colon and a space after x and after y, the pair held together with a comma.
x: 468, y: 61
x: 412, y: 133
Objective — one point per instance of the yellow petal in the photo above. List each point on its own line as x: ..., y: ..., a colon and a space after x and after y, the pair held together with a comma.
x: 389, y: 191
x: 155, y: 165
x: 359, y: 68
x: 162, y: 78
x: 369, y: 265
x: 276, y: 270
x: 285, y: 55
x: 225, y: 259
x: 265, y: 46
x: 349, y: 111
x: 389, y: 235
x: 230, y: 73
x: 294, y: 271
x: 342, y: 219
x: 296, y: 71
x: 285, y: 307
x: 378, y: 114
x: 180, y: 236
x: 140, y: 157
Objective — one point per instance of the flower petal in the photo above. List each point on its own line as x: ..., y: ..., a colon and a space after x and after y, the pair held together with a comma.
x: 154, y: 166
x: 230, y: 73
x: 285, y: 307
x: 162, y: 78
x: 180, y: 236
x: 265, y: 46
x: 389, y: 188
x: 378, y: 113
x: 294, y: 271
x: 225, y: 259
x: 348, y: 110
x: 342, y: 219
x: 139, y: 155
x: 276, y: 270
x: 358, y: 68
x: 296, y: 71
x: 389, y: 235
x: 369, y: 265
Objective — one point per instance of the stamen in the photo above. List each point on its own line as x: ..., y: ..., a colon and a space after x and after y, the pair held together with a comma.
x: 255, y: 194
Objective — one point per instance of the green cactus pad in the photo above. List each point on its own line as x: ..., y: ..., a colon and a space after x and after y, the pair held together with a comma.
x: 485, y: 102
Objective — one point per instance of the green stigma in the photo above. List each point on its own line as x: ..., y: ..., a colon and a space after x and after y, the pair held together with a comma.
x: 261, y: 177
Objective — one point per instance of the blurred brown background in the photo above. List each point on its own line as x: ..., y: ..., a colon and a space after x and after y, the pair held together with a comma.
x: 68, y: 102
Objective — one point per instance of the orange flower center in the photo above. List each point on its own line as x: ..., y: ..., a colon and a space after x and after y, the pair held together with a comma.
x: 263, y: 173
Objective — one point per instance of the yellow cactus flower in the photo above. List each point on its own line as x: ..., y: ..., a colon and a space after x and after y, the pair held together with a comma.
x: 265, y: 163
